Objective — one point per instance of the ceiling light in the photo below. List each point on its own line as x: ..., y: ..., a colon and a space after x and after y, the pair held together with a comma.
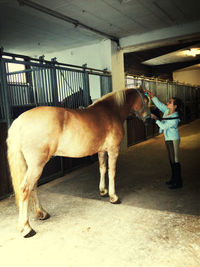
x: 192, y: 52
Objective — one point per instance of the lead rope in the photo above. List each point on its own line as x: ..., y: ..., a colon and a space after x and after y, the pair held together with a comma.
x: 172, y: 118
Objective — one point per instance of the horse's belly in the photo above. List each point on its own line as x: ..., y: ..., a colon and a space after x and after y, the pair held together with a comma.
x: 74, y: 153
x: 77, y: 148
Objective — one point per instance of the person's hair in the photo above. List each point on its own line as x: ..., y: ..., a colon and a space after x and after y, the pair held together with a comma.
x: 179, y: 106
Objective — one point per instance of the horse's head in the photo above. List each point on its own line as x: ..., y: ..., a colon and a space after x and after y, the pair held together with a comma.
x: 141, y: 108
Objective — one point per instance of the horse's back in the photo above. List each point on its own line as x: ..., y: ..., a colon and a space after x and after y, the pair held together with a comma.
x: 42, y: 113
x: 66, y: 132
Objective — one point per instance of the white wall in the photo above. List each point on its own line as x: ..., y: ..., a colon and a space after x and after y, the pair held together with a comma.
x: 95, y: 56
x: 189, y: 75
x: 103, y: 55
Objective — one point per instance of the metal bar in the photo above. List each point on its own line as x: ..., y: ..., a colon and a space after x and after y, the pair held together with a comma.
x: 65, y: 77
x: 74, y: 91
x: 34, y: 88
x: 20, y: 78
x: 86, y: 88
x: 49, y: 63
x: 60, y: 91
x: 68, y: 83
x: 5, y: 92
x: 54, y: 86
x: 47, y: 83
x: 43, y: 88
x: 20, y: 71
x: 63, y: 85
x: 40, y: 89
x: 77, y: 100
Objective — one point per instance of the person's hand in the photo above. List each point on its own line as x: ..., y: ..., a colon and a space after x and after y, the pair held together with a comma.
x: 149, y: 93
x: 153, y: 116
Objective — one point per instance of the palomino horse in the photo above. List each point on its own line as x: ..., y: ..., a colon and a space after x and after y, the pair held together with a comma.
x: 45, y: 131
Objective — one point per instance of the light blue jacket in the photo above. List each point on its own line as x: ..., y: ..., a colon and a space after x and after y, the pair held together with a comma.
x: 170, y: 127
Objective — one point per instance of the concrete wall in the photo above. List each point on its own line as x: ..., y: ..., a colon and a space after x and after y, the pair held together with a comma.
x: 189, y: 75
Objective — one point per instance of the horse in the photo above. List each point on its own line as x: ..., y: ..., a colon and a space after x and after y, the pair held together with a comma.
x: 46, y: 131
x: 76, y: 100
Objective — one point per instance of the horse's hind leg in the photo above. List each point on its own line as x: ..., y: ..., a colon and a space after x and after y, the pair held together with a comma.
x: 112, y: 160
x: 40, y: 213
x: 102, y: 169
x: 27, y: 185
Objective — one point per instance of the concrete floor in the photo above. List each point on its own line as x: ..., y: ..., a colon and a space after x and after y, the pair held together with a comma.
x: 153, y: 226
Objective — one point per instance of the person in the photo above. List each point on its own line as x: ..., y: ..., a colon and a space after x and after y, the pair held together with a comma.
x: 169, y: 124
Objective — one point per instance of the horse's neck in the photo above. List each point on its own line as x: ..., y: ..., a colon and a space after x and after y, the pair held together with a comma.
x: 129, y: 102
x: 122, y: 110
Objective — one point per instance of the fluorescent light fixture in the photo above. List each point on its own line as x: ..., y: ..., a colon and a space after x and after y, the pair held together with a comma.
x: 192, y: 52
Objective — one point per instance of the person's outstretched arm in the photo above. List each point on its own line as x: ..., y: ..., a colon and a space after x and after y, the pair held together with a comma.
x: 162, y: 107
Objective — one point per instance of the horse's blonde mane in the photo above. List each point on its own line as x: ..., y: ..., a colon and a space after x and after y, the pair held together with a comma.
x: 119, y: 96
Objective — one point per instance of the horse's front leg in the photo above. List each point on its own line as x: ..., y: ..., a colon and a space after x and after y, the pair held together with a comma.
x: 112, y: 160
x: 102, y: 169
x: 40, y: 213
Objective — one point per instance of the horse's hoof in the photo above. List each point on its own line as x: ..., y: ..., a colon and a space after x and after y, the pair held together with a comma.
x: 116, y: 202
x: 46, y: 217
x: 104, y: 193
x: 30, y: 234
x: 42, y: 215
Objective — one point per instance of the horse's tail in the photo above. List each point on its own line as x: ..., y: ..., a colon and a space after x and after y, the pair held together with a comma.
x: 16, y: 159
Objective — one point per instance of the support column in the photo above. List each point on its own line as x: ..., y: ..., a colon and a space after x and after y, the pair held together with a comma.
x: 117, y: 56
x: 118, y: 79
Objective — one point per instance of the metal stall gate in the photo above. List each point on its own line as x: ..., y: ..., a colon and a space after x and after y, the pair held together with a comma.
x: 164, y: 90
x: 26, y: 83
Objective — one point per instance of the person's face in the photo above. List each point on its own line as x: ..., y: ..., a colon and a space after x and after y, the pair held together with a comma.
x: 170, y: 104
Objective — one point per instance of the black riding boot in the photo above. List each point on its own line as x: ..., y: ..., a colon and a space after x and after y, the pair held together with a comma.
x: 172, y: 177
x: 177, y: 180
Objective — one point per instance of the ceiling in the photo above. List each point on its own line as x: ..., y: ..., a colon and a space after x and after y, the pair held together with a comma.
x: 152, y: 33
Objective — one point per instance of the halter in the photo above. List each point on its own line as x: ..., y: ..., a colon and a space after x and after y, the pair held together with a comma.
x: 144, y: 108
